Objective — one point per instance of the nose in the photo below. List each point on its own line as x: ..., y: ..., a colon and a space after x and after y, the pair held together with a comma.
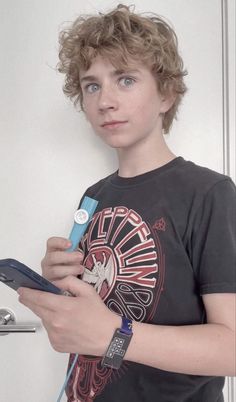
x: 107, y: 99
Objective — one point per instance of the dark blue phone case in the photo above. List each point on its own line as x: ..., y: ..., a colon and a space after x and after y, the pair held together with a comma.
x: 15, y: 274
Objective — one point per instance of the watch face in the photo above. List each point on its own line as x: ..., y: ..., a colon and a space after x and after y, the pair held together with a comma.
x: 116, y: 350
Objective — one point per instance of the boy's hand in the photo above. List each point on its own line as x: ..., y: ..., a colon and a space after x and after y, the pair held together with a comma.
x: 82, y: 324
x: 58, y: 263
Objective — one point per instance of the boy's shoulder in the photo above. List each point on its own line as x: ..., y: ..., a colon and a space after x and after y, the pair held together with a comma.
x: 96, y: 187
x: 195, y: 175
x: 192, y: 181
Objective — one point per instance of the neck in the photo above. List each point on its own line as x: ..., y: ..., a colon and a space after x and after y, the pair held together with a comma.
x: 139, y: 160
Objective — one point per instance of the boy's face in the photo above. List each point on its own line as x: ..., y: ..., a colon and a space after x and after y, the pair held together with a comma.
x: 123, y: 107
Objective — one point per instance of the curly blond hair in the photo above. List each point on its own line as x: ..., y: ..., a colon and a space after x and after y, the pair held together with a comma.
x: 120, y: 36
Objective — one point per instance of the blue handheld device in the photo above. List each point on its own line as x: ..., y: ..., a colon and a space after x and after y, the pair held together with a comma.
x: 82, y: 218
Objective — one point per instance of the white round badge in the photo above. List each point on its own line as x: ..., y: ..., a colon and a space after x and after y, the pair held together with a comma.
x: 81, y: 216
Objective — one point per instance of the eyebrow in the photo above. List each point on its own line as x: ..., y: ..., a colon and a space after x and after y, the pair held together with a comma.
x: 115, y: 73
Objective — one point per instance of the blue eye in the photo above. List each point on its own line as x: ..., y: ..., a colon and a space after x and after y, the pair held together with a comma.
x: 127, y: 81
x: 91, y: 88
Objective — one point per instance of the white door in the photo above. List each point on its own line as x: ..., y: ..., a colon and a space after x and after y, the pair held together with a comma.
x: 48, y: 154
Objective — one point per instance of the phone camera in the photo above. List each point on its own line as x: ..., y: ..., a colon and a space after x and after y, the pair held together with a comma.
x: 3, y: 278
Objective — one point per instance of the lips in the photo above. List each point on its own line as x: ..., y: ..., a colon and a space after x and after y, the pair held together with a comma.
x: 113, y: 123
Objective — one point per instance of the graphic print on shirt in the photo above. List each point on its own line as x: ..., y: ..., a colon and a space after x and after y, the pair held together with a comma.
x: 124, y: 263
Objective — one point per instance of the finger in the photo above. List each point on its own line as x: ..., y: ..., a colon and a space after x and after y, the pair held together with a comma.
x: 38, y: 301
x: 58, y: 243
x: 62, y: 258
x: 59, y: 272
x: 75, y: 286
x: 60, y: 264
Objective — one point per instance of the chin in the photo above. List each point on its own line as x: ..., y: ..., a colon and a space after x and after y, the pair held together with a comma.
x: 114, y: 142
x: 118, y: 141
x: 117, y: 144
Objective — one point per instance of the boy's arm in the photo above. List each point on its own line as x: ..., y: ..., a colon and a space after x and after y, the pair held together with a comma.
x: 84, y: 325
x: 207, y: 349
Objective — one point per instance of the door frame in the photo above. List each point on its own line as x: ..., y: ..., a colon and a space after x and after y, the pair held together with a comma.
x: 228, y: 112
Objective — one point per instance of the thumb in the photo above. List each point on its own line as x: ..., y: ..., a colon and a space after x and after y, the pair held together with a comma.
x: 75, y: 286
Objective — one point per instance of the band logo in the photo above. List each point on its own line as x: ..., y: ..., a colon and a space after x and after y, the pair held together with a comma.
x: 122, y: 261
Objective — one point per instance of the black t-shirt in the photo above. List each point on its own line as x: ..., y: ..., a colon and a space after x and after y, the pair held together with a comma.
x: 157, y: 242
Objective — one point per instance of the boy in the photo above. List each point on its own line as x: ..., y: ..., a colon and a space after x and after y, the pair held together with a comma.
x: 159, y: 254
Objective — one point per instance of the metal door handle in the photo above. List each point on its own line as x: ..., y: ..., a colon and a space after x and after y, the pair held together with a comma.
x: 6, y: 329
x: 8, y: 324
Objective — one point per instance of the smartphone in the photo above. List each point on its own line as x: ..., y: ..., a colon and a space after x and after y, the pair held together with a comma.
x: 15, y: 274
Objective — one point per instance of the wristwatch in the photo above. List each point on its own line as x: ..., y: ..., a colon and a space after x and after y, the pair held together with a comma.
x: 118, y: 346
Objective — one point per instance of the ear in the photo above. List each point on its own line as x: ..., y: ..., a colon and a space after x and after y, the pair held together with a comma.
x: 167, y: 101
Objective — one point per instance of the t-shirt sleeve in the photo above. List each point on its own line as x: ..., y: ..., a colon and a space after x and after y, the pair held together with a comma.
x: 213, y: 240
